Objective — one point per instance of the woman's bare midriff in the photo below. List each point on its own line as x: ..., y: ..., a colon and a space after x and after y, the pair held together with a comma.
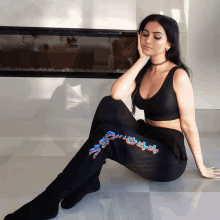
x: 174, y: 124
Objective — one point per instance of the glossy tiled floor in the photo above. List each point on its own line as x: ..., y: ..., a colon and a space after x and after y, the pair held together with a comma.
x: 32, y: 154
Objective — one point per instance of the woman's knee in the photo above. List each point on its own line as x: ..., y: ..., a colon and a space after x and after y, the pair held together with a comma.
x: 108, y: 99
x: 141, y: 122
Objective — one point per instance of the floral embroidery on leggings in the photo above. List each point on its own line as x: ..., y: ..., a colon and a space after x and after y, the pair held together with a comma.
x: 129, y: 140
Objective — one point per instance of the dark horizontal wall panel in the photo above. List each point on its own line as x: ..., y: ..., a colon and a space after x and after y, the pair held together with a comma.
x: 57, y: 74
x: 66, y: 52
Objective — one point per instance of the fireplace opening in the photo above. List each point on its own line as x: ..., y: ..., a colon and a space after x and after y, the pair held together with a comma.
x: 58, y: 51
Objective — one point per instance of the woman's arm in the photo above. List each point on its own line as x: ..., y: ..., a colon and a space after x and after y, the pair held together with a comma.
x: 184, y: 93
x: 122, y: 85
x: 192, y: 136
x: 185, y: 99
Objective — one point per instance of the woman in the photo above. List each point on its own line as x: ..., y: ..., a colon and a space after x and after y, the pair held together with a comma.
x: 155, y: 150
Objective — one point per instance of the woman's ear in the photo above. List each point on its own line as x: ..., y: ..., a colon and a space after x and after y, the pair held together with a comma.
x: 169, y: 45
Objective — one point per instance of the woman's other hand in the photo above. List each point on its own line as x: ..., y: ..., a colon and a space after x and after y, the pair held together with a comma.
x: 211, y: 172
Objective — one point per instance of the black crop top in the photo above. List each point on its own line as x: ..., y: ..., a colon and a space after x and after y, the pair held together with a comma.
x: 163, y: 105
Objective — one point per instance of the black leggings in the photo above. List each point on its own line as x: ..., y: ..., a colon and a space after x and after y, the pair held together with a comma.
x: 154, y: 153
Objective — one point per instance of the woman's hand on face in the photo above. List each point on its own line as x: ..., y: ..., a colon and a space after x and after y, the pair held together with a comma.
x: 142, y: 55
x: 211, y: 172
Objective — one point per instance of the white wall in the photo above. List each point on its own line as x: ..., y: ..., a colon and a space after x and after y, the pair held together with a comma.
x: 99, y: 14
x: 40, y: 97
x: 204, y: 52
x: 60, y: 97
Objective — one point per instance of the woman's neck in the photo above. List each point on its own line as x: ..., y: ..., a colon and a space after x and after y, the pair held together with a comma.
x: 157, y: 60
x: 159, y: 69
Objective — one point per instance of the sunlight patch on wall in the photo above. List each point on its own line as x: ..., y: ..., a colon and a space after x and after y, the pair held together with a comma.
x: 42, y: 88
x: 100, y: 22
x: 186, y: 12
x: 176, y: 14
x: 73, y: 20
x: 75, y: 96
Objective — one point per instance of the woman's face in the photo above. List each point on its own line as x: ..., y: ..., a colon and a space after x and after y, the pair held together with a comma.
x: 156, y: 41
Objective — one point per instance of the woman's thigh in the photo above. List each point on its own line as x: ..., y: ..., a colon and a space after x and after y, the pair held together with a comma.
x: 145, y: 156
x: 114, y: 112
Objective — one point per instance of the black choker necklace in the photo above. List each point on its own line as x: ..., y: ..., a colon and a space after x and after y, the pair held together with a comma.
x: 159, y: 63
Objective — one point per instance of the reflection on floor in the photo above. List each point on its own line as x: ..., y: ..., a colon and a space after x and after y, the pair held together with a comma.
x: 33, y: 154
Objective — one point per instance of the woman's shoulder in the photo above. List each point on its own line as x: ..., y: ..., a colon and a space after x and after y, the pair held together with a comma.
x: 180, y: 78
x: 179, y: 70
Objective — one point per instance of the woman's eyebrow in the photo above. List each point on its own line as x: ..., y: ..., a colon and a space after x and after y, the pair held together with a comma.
x: 154, y: 32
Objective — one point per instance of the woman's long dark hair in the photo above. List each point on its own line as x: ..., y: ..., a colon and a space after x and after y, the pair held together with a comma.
x: 173, y: 54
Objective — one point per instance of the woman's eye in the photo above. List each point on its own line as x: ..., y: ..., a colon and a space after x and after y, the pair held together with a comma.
x: 147, y: 36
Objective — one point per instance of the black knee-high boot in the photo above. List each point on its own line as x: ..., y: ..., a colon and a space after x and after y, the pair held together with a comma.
x: 79, y: 170
x: 89, y: 186
x: 107, y: 111
x: 46, y: 205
